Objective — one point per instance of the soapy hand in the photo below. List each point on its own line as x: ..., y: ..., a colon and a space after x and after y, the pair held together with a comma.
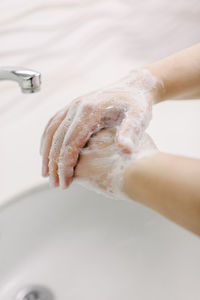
x: 102, y: 165
x: 125, y: 105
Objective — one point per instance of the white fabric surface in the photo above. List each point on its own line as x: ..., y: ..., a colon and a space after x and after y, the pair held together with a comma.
x: 79, y: 46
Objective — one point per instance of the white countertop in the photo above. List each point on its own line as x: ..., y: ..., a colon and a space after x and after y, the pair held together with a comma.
x: 79, y: 47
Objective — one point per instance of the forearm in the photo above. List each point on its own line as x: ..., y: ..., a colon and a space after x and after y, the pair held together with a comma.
x: 179, y: 75
x: 168, y: 184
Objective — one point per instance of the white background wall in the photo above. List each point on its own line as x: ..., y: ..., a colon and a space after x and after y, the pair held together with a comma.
x: 79, y: 46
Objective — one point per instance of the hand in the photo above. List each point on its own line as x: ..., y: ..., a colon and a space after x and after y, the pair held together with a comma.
x: 125, y: 105
x: 102, y: 166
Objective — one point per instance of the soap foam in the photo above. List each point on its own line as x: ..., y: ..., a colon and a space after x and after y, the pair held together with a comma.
x: 111, y: 160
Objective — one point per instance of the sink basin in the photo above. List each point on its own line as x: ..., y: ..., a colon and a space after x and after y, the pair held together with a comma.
x: 80, y: 245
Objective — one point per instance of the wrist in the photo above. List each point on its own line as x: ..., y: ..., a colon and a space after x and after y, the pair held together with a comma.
x: 148, y: 81
x: 158, y: 92
x: 136, y: 177
x: 128, y: 185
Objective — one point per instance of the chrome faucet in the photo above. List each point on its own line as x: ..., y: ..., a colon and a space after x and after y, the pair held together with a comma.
x: 28, y: 80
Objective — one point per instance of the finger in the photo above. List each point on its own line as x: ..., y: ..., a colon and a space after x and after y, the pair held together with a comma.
x: 47, y: 139
x: 47, y: 126
x: 81, y: 129
x: 130, y: 131
x: 57, y: 143
x: 44, y: 133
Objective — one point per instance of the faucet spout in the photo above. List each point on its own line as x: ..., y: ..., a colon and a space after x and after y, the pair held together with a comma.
x: 28, y: 80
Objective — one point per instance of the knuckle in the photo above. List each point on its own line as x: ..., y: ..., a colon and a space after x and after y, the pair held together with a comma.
x: 77, y: 100
x: 88, y: 107
x: 49, y: 129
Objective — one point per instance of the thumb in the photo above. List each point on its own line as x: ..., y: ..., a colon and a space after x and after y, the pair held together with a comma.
x: 127, y: 136
x: 130, y: 131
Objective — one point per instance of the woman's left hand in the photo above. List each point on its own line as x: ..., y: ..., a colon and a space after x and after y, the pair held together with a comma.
x: 102, y: 165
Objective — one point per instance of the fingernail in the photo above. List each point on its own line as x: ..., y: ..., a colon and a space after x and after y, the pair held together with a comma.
x: 69, y: 181
x: 62, y: 184
x: 125, y: 148
x: 65, y: 182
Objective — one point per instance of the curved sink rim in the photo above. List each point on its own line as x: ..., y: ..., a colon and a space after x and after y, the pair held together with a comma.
x: 25, y: 192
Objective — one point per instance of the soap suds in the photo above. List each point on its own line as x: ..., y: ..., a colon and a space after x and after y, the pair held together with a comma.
x: 125, y: 106
x: 108, y: 163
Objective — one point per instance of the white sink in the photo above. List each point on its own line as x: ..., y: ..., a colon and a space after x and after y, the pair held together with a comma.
x: 82, y: 246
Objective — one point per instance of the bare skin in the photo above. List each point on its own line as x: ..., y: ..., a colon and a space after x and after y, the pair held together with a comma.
x: 168, y: 184
x: 180, y: 74
x: 150, y: 180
